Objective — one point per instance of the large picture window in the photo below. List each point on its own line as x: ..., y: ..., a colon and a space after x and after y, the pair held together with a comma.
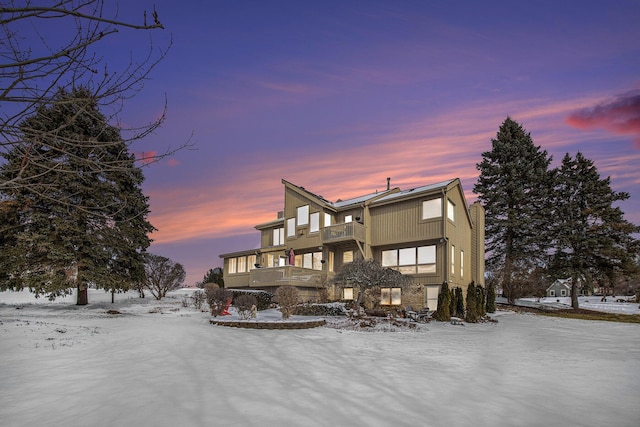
x: 432, y: 209
x: 232, y: 265
x: 421, y: 259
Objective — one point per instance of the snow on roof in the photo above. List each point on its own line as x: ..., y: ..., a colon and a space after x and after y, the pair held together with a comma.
x: 342, y: 203
x: 416, y: 190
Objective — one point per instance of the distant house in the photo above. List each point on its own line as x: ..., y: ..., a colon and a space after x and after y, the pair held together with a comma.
x: 560, y: 288
x: 429, y: 233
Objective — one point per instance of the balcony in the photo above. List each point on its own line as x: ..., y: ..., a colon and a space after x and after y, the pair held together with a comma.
x: 344, y: 232
x: 285, y: 275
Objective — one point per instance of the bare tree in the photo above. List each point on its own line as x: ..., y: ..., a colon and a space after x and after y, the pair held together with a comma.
x: 46, y: 48
x: 368, y: 275
x: 162, y: 275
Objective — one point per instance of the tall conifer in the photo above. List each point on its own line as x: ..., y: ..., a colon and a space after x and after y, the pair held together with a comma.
x: 592, y: 240
x: 82, y: 220
x: 514, y: 187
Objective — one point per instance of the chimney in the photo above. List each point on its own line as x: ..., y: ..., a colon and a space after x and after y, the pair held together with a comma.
x: 280, y: 214
x: 388, y: 183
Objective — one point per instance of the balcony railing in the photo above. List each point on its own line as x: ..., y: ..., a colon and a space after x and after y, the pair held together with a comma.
x: 285, y: 275
x: 343, y: 232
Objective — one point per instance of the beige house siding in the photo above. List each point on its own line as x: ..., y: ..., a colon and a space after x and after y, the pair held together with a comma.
x: 387, y: 220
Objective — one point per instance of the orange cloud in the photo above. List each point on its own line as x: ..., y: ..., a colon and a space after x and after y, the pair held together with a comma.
x: 620, y: 116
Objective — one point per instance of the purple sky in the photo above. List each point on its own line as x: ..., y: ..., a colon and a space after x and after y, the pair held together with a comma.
x: 336, y: 96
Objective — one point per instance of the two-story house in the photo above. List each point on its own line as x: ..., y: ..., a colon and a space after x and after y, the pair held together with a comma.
x: 429, y: 233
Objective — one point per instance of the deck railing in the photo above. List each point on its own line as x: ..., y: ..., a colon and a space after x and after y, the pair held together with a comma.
x: 343, y: 232
x: 285, y: 275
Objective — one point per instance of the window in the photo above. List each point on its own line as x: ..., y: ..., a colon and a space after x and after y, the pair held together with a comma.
x: 317, y: 261
x: 451, y: 210
x: 453, y: 259
x: 432, y: 209
x: 251, y: 262
x: 461, y: 263
x: 307, y: 260
x: 327, y: 220
x: 552, y: 293
x: 303, y: 215
x: 314, y: 222
x: 348, y: 218
x: 563, y: 292
x: 232, y: 265
x: 242, y: 264
x: 291, y: 227
x: 347, y: 257
x: 278, y: 236
x: 331, y: 258
x: 427, y: 259
x: 390, y: 296
x: 390, y: 258
x: 347, y: 293
x: 411, y: 260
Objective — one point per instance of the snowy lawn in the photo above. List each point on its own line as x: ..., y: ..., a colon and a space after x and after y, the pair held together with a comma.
x: 160, y: 364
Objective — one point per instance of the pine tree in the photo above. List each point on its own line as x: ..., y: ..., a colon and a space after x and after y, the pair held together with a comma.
x: 443, y: 312
x: 82, y: 220
x: 481, y: 302
x: 491, y: 299
x: 472, y: 304
x: 453, y: 302
x: 514, y: 187
x: 593, y: 241
x: 459, y: 302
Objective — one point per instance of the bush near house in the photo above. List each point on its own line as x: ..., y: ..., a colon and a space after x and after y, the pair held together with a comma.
x: 287, y: 297
x: 245, y: 304
x: 263, y: 299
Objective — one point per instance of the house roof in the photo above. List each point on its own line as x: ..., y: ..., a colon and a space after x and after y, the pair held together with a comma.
x: 415, y: 191
x: 566, y: 283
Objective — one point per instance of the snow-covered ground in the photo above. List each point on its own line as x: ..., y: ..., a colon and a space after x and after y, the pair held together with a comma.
x: 160, y: 364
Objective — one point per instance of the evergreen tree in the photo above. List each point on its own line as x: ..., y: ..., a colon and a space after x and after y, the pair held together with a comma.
x: 472, y: 315
x: 491, y: 299
x: 593, y: 241
x: 214, y: 275
x: 459, y: 302
x: 514, y: 187
x: 443, y: 312
x: 82, y: 220
x: 453, y: 302
x: 481, y: 302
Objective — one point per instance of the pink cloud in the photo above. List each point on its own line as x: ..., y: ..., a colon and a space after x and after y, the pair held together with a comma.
x: 173, y: 162
x: 620, y: 116
x: 146, y: 157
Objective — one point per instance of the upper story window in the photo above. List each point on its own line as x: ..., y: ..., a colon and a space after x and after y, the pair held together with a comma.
x: 348, y: 218
x: 432, y: 209
x: 278, y: 236
x: 291, y: 227
x: 233, y: 262
x: 451, y: 210
x: 314, y: 222
x: 303, y: 215
x: 327, y: 219
x: 453, y: 259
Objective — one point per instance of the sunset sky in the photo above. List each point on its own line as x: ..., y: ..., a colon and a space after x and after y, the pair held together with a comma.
x: 336, y: 96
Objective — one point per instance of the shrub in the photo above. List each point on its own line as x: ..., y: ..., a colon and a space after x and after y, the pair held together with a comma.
x: 491, y: 298
x: 472, y: 304
x: 245, y: 304
x: 444, y: 301
x: 287, y: 297
x: 263, y: 298
x: 320, y: 310
x: 217, y: 298
x: 459, y: 302
x: 198, y: 298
